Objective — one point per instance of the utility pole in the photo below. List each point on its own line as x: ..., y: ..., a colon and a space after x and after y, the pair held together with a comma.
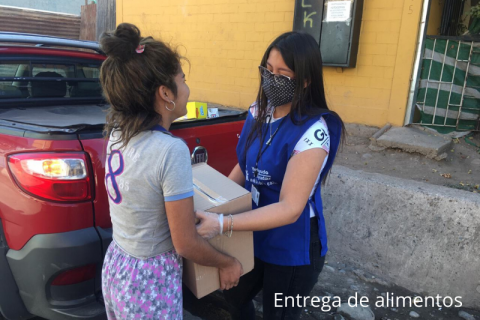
x: 106, y: 16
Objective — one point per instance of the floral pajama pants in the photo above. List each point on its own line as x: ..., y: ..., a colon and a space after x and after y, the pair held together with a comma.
x: 142, y: 289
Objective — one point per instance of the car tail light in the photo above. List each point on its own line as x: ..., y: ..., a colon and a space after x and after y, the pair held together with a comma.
x: 52, y: 176
x: 74, y: 276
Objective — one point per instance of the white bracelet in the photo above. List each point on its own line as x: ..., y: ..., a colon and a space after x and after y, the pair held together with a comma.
x: 220, y: 219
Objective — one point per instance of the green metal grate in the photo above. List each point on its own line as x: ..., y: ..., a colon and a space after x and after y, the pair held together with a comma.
x: 448, y: 94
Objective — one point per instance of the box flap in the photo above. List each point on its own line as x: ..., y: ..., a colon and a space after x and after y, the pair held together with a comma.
x: 212, y: 189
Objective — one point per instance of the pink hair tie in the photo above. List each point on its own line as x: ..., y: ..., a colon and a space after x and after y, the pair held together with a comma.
x: 140, y: 48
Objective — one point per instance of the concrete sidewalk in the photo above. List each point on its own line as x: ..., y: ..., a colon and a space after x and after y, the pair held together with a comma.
x: 423, y: 237
x: 416, y: 140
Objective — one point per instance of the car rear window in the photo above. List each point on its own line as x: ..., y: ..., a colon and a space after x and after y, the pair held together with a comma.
x: 26, y: 79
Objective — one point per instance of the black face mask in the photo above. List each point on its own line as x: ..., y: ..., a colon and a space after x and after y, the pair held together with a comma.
x: 278, y: 89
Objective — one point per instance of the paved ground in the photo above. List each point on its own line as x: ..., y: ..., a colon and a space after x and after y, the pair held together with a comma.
x: 344, y: 281
x: 338, y: 280
x: 460, y: 170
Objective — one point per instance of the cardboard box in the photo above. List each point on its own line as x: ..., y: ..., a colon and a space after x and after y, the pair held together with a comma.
x: 197, y: 110
x: 212, y: 113
x: 213, y: 192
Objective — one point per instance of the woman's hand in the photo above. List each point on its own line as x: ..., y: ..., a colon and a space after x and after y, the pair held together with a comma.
x: 209, y: 225
x: 230, y: 275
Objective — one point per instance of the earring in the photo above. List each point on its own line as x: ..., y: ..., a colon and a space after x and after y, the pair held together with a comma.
x: 172, y: 108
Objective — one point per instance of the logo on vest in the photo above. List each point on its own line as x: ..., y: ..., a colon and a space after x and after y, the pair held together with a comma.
x: 320, y: 135
x: 263, y: 177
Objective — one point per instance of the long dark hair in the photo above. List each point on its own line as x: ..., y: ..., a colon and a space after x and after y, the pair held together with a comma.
x: 301, y: 54
x: 130, y: 80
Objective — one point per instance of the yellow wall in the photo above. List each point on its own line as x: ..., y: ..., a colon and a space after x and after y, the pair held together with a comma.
x: 435, y: 18
x: 225, y: 41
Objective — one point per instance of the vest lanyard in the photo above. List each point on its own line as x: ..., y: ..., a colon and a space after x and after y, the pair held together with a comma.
x: 269, y: 142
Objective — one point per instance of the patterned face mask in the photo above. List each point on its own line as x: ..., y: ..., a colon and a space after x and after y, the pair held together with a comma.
x: 278, y: 88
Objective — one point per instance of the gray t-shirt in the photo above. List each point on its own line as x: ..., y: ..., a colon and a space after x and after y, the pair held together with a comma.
x: 152, y: 169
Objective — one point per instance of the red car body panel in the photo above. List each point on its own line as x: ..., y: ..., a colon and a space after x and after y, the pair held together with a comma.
x: 96, y: 149
x: 23, y: 215
x: 51, y: 52
x: 220, y: 141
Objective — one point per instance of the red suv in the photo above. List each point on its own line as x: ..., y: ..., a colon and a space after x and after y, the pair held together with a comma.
x: 54, y: 220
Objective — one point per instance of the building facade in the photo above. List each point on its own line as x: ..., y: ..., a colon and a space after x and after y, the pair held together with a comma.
x: 224, y: 40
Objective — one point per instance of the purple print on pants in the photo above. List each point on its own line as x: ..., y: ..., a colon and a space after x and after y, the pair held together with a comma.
x: 142, y: 289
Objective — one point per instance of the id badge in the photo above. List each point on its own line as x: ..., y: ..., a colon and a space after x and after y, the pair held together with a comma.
x: 255, y: 195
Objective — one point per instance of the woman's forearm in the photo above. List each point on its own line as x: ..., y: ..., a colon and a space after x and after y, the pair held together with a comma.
x: 202, y: 252
x: 268, y: 217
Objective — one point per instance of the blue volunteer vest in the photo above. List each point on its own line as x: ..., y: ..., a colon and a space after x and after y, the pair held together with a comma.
x: 287, y: 245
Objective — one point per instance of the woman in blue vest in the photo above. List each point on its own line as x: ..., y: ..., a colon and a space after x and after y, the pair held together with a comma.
x: 286, y: 149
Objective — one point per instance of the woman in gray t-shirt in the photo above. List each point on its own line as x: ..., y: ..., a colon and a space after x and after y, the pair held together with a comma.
x: 149, y: 182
